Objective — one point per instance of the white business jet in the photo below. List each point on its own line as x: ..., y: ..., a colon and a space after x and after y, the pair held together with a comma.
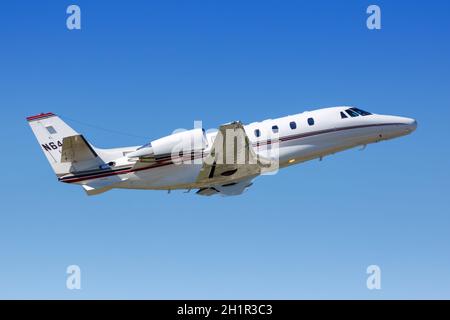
x: 222, y: 162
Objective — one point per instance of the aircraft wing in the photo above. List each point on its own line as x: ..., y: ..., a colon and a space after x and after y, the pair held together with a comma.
x: 229, y: 189
x: 231, y: 157
x: 231, y: 164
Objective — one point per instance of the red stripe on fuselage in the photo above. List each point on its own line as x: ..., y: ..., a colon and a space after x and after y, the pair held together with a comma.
x: 125, y: 171
x: 166, y: 163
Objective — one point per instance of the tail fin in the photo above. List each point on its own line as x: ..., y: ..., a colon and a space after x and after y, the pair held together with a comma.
x: 57, y: 138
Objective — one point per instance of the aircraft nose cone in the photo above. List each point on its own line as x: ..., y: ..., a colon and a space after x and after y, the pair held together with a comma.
x: 412, y: 124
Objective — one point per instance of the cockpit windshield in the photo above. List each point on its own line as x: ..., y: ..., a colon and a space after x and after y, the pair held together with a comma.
x: 355, y: 112
x: 360, y: 112
x: 352, y: 113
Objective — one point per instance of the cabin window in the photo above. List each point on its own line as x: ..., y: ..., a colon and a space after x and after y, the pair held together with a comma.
x: 275, y: 129
x: 343, y: 115
x: 257, y: 133
x: 311, y: 121
x: 352, y: 113
x: 293, y: 125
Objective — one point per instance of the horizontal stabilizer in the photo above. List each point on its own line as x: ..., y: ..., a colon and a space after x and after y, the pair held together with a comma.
x: 76, y: 149
x: 98, y: 186
x: 92, y: 191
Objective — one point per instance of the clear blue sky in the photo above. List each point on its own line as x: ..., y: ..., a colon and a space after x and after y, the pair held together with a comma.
x: 149, y: 67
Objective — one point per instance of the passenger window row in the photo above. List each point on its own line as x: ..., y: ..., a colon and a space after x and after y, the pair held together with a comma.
x: 352, y: 112
x: 292, y: 125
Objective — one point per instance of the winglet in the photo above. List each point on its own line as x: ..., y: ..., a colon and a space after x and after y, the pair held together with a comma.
x: 40, y: 116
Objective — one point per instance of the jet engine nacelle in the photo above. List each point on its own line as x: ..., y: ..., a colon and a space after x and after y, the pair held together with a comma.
x: 184, y: 142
